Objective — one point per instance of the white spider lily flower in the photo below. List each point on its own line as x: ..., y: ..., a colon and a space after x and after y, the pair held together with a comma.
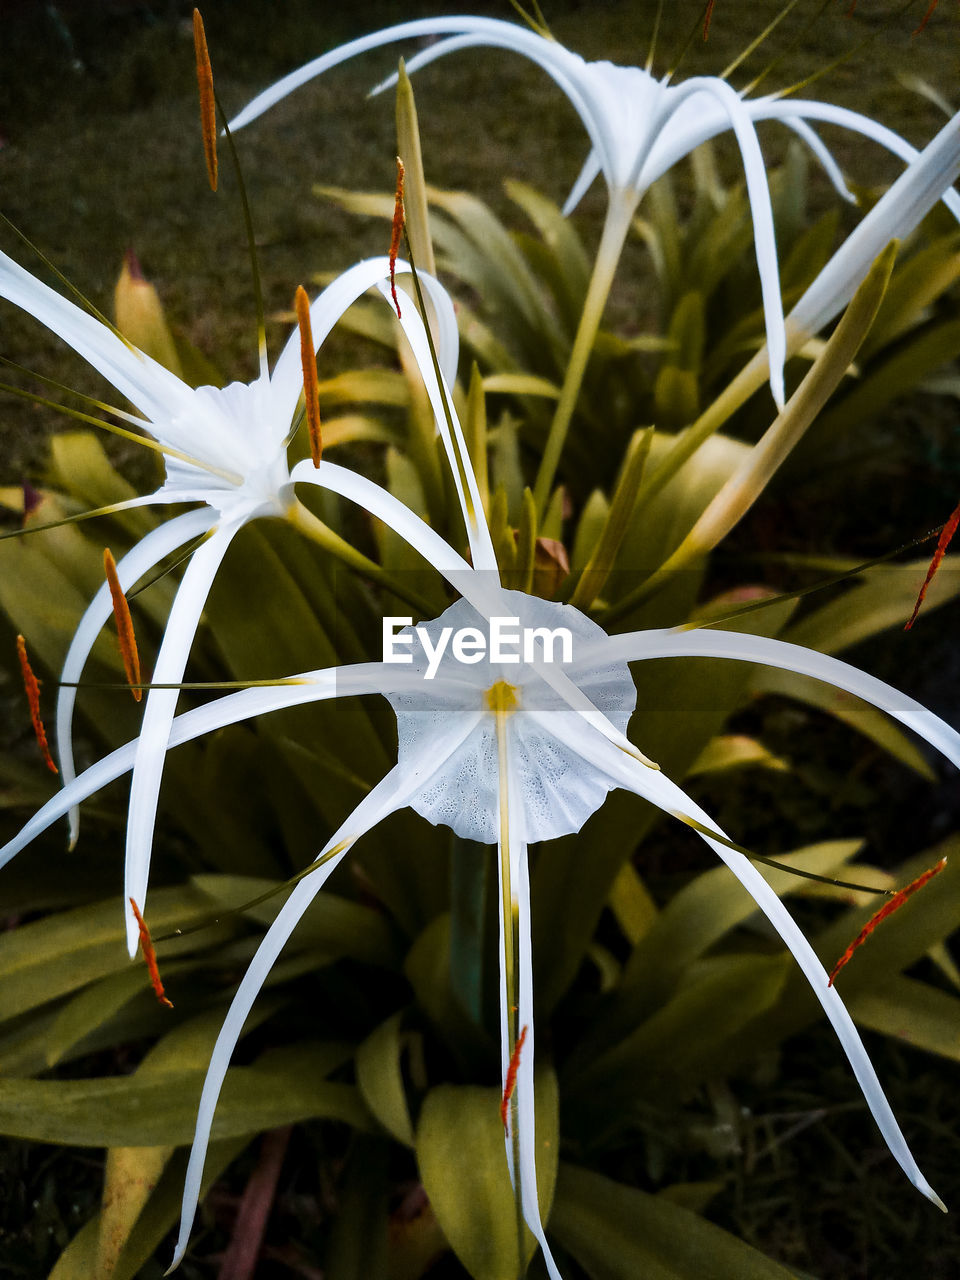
x: 508, y: 747
x: 223, y: 447
x: 490, y: 750
x: 639, y: 127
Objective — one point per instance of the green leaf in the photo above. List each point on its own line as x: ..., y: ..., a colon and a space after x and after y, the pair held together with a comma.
x: 733, y: 751
x: 380, y: 1078
x: 52, y: 957
x: 282, y: 1087
x: 620, y: 1233
x: 463, y: 1165
x: 912, y: 1012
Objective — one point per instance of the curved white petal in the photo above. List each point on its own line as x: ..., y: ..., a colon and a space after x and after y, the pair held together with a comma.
x: 148, y: 551
x: 461, y: 468
x: 316, y: 686
x: 707, y: 642
x: 809, y: 109
x: 765, y: 246
x: 158, y: 716
x: 895, y: 214
x: 389, y: 795
x: 666, y: 795
x: 153, y: 389
x: 815, y: 144
x: 585, y: 180
x: 524, y: 1082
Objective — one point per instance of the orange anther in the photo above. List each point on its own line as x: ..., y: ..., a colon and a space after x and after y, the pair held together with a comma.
x: 32, y: 686
x: 208, y: 103
x: 150, y: 956
x: 311, y: 390
x: 706, y: 19
x: 926, y: 17
x: 125, y: 634
x: 946, y: 533
x: 511, y: 1081
x: 893, y: 903
x: 395, y: 234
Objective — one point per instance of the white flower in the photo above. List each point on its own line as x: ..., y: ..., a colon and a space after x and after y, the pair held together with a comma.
x: 512, y: 751
x: 639, y: 127
x: 225, y: 448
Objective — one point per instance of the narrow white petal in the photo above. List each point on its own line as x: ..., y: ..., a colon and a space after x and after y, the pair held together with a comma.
x: 317, y: 686
x: 585, y: 179
x: 788, y: 110
x: 158, y: 716
x: 816, y: 145
x: 461, y: 468
x: 894, y: 216
x: 666, y: 795
x: 764, y: 240
x: 382, y: 504
x: 389, y: 795
x: 526, y: 1103
x: 150, y: 550
x: 384, y: 799
x: 707, y: 642
x: 153, y: 389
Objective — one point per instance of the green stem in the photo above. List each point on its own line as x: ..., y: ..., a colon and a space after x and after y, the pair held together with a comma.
x: 619, y: 213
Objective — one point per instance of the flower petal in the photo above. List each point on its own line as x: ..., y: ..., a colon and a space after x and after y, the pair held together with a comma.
x: 670, y: 798
x: 144, y: 555
x: 816, y: 145
x: 708, y: 642
x: 739, y: 115
x: 153, y: 389
x: 316, y: 686
x: 389, y: 795
x: 895, y: 215
x: 158, y: 716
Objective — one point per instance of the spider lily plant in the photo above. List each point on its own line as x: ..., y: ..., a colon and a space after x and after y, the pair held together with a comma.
x: 511, y: 747
x: 224, y: 448
x: 639, y: 127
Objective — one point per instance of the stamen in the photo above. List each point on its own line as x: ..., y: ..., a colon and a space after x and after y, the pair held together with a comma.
x: 895, y: 903
x: 32, y: 686
x: 395, y: 234
x: 946, y: 533
x: 511, y: 1081
x: 502, y: 698
x: 926, y: 17
x: 311, y: 390
x: 125, y: 632
x: 208, y: 106
x: 150, y: 956
x: 706, y: 20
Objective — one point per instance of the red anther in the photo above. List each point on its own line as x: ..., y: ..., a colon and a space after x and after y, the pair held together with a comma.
x: 706, y: 19
x: 311, y: 388
x: 926, y: 17
x: 511, y: 1081
x: 893, y: 903
x: 125, y: 632
x: 150, y: 956
x: 208, y: 102
x: 32, y: 686
x: 395, y: 234
x: 946, y: 533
